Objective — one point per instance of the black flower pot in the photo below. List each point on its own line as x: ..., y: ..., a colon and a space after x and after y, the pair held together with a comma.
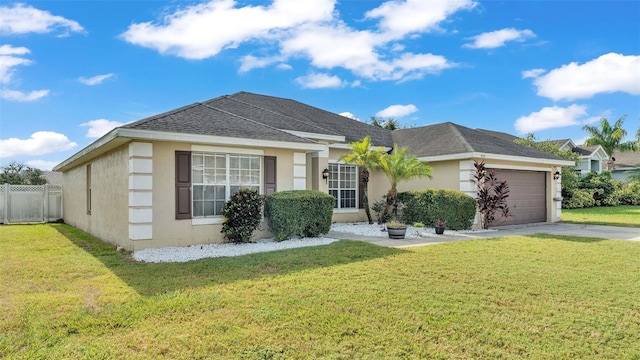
x: 439, y: 230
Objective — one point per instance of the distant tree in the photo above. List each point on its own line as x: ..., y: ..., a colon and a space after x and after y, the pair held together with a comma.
x: 547, y: 146
x: 20, y: 174
x: 609, y: 137
x: 389, y: 124
x: 367, y: 159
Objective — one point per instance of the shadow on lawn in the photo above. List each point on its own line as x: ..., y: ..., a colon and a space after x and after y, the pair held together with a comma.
x: 567, y: 238
x: 150, y: 279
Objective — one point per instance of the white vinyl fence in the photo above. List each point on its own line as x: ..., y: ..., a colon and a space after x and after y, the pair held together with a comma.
x: 30, y: 203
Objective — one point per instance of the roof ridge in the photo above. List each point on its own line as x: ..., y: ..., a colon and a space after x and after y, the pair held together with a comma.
x: 161, y: 115
x: 252, y: 121
x: 459, y: 134
x: 283, y: 115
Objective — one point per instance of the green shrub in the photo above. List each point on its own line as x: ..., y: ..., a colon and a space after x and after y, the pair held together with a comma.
x: 305, y: 213
x: 242, y: 215
x: 629, y: 194
x: 581, y: 198
x: 602, y: 184
x: 430, y: 205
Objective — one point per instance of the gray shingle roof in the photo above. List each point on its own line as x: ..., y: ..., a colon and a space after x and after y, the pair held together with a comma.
x: 201, y: 119
x: 627, y: 158
x: 330, y: 123
x: 449, y: 138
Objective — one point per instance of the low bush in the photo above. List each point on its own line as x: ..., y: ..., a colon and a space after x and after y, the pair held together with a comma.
x: 305, y: 213
x: 379, y: 208
x: 242, y: 215
x: 428, y: 206
x: 629, y: 194
x: 581, y: 198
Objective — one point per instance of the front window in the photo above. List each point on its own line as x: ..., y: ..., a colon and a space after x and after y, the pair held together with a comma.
x: 217, y: 176
x: 343, y: 182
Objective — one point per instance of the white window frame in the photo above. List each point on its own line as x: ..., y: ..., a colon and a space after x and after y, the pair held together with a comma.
x: 217, y: 219
x: 341, y: 166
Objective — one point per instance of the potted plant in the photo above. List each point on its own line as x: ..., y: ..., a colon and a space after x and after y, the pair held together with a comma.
x: 396, y: 230
x: 440, y: 225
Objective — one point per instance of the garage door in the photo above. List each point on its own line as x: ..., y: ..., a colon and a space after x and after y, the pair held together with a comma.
x: 527, y: 196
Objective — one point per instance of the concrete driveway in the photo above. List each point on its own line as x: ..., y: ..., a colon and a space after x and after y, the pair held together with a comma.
x: 597, y: 231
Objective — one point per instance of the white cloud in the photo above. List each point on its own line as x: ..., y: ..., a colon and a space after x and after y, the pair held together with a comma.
x: 404, y: 17
x: 95, y: 80
x: 40, y: 143
x: 498, y: 38
x: 42, y: 164
x: 9, y: 60
x: 203, y: 30
x: 608, y: 73
x: 23, y: 19
x: 550, y: 117
x: 318, y: 81
x: 99, y: 127
x: 329, y: 47
x: 7, y: 49
x: 250, y: 62
x: 533, y: 73
x: 349, y: 115
x: 16, y: 95
x: 303, y: 29
x: 396, y: 111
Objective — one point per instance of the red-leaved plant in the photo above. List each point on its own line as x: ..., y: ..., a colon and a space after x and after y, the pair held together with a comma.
x: 492, y: 195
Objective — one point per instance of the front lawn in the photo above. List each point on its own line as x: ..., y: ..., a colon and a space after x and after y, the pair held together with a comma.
x: 622, y: 215
x: 67, y: 295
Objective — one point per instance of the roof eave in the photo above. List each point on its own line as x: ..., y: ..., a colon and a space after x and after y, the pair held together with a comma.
x: 487, y: 156
x: 120, y: 136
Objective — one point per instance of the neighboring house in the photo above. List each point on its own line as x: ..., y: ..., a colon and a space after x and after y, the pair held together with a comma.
x: 624, y: 161
x: 53, y: 177
x: 592, y: 158
x: 163, y: 180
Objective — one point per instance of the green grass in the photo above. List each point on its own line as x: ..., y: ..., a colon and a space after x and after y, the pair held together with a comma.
x: 623, y: 215
x: 65, y: 295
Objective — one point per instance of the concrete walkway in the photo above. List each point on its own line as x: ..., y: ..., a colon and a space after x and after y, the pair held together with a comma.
x: 597, y: 231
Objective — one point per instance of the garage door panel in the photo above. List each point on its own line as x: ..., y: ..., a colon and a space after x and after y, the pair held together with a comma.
x: 527, y: 196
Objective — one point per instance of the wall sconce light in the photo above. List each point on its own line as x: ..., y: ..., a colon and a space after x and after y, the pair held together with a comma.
x: 556, y: 175
x: 325, y: 174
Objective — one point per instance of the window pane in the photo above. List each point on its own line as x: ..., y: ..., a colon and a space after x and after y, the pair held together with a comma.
x: 197, y: 192
x: 208, y: 208
x: 197, y: 209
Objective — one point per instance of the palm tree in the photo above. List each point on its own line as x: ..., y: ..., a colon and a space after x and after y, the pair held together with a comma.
x: 401, y: 167
x: 367, y: 159
x: 609, y: 136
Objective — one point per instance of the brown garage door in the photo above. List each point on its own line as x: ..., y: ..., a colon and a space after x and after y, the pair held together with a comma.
x: 527, y: 196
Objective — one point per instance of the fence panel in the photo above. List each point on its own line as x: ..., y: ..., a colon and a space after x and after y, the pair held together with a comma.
x: 30, y: 203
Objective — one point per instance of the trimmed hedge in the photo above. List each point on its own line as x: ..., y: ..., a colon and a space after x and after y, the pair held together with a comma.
x: 305, y: 213
x: 430, y: 205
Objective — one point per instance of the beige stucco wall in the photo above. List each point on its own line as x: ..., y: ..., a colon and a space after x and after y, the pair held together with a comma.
x: 167, y: 231
x: 109, y: 182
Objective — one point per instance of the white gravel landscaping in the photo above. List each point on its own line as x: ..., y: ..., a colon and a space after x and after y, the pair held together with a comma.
x: 189, y: 253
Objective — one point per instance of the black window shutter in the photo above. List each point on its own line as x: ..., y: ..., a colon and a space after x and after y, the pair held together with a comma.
x: 183, y: 185
x: 360, y: 190
x: 270, y: 175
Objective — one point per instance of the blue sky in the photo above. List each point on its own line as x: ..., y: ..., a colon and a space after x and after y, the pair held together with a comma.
x: 72, y: 70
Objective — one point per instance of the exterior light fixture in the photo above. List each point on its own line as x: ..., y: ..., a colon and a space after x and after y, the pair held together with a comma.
x: 325, y: 174
x: 556, y: 175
